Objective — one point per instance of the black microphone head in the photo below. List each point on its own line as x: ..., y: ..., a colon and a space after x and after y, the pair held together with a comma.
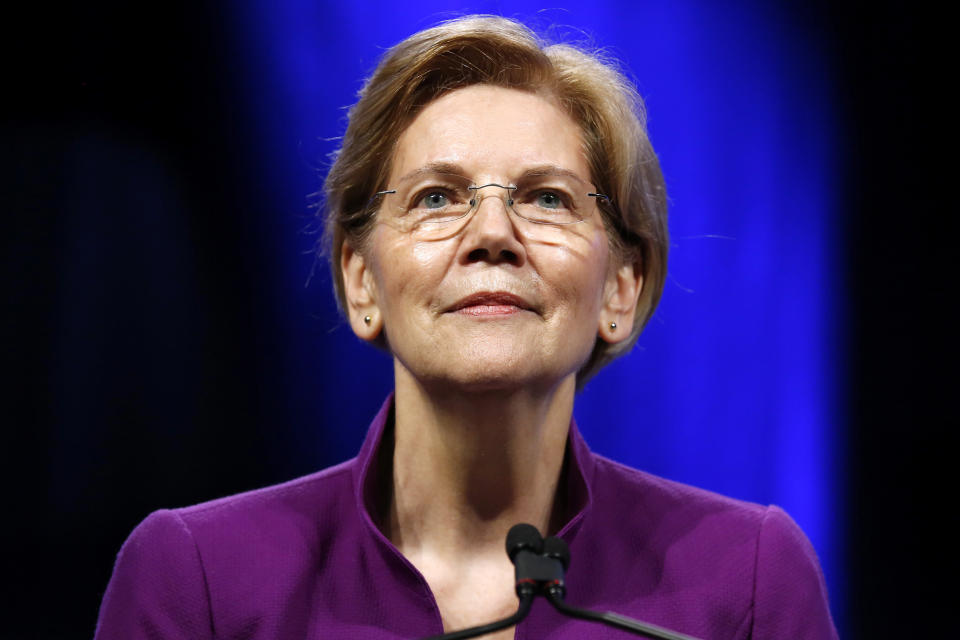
x: 523, y: 537
x: 556, y: 548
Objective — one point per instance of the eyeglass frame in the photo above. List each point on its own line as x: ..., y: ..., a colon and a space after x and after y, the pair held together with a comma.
x: 474, y: 204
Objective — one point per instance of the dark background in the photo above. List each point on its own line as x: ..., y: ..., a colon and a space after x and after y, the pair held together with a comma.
x: 123, y: 138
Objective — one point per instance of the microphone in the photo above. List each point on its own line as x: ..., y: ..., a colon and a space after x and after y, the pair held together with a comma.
x: 523, y: 537
x: 556, y: 548
x: 532, y: 567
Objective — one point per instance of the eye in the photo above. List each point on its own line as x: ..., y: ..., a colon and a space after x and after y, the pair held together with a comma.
x: 434, y: 200
x: 549, y: 200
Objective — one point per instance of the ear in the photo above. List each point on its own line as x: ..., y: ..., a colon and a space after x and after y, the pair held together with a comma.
x: 621, y: 292
x: 361, y: 294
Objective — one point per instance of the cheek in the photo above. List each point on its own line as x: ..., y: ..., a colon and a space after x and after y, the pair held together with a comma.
x: 581, y: 280
x: 406, y: 273
x: 425, y: 256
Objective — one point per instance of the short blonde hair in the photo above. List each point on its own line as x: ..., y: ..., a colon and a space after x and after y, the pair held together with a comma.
x: 502, y: 52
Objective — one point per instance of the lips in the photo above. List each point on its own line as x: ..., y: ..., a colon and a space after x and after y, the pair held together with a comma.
x: 490, y: 303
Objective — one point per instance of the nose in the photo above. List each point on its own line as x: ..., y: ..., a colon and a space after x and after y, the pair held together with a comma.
x: 491, y: 234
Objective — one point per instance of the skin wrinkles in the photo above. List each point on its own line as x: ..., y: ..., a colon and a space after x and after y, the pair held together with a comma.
x: 547, y: 236
x: 454, y: 169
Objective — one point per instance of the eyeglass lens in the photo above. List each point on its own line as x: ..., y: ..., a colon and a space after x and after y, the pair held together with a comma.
x: 429, y: 203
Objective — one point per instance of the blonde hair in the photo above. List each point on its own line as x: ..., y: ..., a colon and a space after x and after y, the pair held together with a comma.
x: 502, y: 52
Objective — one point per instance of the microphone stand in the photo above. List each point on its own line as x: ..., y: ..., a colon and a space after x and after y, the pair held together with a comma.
x: 556, y: 550
x: 540, y: 567
x: 555, y: 596
x: 526, y: 600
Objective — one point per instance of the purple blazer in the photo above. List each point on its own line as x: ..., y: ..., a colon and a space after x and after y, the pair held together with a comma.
x: 304, y: 560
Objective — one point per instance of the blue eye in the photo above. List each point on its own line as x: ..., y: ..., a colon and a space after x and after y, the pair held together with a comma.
x: 549, y: 200
x: 434, y: 200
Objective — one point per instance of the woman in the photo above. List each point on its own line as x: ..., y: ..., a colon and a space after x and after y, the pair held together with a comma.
x: 497, y: 222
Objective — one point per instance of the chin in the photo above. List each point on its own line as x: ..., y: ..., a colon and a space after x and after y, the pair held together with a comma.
x: 491, y: 363
x: 499, y: 375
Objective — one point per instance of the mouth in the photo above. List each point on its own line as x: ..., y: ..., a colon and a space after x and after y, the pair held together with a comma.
x: 487, y: 303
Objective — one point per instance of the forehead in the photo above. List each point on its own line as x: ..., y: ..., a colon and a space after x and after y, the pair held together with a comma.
x: 491, y: 132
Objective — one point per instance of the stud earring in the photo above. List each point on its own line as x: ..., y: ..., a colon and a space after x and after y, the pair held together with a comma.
x: 613, y: 326
x: 367, y: 320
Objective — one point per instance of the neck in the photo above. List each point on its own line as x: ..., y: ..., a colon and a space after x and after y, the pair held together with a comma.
x: 468, y: 466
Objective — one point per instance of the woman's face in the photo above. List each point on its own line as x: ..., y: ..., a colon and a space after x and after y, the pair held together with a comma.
x: 493, y: 300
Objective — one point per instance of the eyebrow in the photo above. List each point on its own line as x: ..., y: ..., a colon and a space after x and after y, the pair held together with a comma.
x: 550, y: 170
x: 453, y: 168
